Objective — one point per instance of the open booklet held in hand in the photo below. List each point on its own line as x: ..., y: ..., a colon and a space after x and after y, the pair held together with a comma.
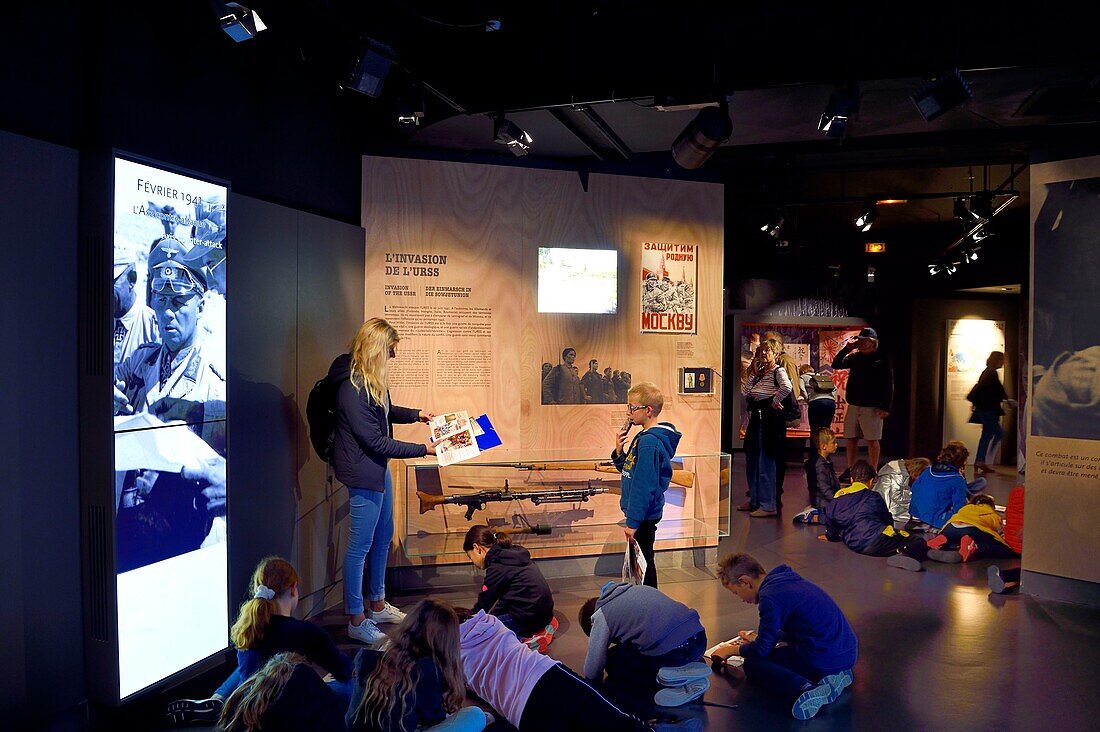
x: 461, y: 438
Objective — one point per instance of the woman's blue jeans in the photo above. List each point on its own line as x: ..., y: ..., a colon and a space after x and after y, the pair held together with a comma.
x: 760, y: 465
x: 992, y: 433
x: 370, y: 531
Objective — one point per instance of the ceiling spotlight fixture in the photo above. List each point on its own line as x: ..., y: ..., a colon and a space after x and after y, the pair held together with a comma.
x: 981, y: 206
x: 238, y: 22
x: 960, y: 211
x: 509, y: 133
x: 972, y: 255
x: 843, y: 104
x: 942, y: 94
x: 772, y: 229
x: 980, y: 235
x: 867, y: 218
x: 951, y: 268
x: 702, y: 136
x: 934, y: 269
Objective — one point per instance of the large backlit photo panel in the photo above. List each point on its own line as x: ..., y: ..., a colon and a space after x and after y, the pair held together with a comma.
x: 169, y: 392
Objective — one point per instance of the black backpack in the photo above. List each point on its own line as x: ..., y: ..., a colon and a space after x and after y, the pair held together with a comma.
x: 321, y: 413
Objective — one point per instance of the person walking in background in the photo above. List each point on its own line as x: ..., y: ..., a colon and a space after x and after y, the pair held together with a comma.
x: 870, y: 393
x: 766, y: 433
x: 987, y: 396
x: 364, y: 444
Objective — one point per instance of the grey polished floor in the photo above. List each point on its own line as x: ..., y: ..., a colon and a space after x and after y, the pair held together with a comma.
x: 937, y: 650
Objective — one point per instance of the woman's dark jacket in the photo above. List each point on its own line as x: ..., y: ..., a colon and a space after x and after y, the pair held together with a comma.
x: 364, y: 436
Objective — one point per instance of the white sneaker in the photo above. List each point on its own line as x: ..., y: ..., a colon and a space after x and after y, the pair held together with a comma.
x: 388, y: 614
x: 365, y: 632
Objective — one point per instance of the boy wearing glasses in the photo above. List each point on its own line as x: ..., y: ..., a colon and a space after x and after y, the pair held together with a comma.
x: 646, y: 468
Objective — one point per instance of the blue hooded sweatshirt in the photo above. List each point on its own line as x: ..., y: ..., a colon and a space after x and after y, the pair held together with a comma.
x: 646, y: 467
x: 802, y: 614
x: 938, y: 493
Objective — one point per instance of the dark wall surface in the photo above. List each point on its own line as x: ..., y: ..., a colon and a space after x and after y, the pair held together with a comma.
x: 40, y: 606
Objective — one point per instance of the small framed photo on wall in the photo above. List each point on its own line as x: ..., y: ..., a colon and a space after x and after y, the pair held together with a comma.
x: 696, y: 380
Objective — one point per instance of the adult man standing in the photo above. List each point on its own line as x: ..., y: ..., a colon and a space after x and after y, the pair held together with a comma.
x: 562, y: 385
x: 172, y: 380
x: 870, y: 393
x: 173, y: 512
x: 135, y: 324
x: 593, y: 383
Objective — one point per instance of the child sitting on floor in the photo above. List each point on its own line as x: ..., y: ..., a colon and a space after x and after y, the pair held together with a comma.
x: 535, y: 693
x: 264, y: 627
x: 417, y: 684
x: 653, y: 638
x: 821, y: 480
x: 815, y: 666
x: 941, y: 490
x: 284, y: 694
x: 975, y: 531
x: 894, y: 482
x: 514, y: 590
x: 858, y: 516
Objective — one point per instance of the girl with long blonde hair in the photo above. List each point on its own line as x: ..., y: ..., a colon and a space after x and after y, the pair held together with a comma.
x: 285, y: 694
x: 417, y: 683
x: 362, y: 447
x: 264, y: 627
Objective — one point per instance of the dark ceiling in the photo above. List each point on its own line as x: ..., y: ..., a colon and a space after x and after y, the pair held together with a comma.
x: 583, y: 78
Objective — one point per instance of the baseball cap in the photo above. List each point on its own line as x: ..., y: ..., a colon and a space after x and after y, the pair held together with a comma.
x: 868, y: 333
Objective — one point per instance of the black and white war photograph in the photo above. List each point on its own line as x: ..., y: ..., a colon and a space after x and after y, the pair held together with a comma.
x: 600, y: 383
x: 169, y: 334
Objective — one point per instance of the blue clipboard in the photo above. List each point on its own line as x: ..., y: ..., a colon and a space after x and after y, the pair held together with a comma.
x: 488, y: 438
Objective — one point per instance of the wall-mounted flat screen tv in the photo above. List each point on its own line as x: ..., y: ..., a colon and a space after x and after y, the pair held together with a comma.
x: 578, y: 280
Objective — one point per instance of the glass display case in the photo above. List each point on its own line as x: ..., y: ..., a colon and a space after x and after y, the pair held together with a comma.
x: 561, y: 503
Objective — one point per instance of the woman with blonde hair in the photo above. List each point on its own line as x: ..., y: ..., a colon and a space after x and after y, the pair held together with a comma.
x: 362, y: 447
x: 285, y: 694
x: 417, y: 683
x: 265, y: 626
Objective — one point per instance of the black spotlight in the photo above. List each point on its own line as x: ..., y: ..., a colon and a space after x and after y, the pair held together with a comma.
x: 509, y: 133
x: 867, y: 218
x: 370, y: 70
x: 942, y: 94
x: 843, y: 104
x: 960, y: 211
x: 703, y: 135
x: 238, y: 22
x: 981, y: 206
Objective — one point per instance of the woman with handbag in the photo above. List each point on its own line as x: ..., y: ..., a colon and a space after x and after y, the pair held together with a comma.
x: 765, y: 390
x: 987, y: 396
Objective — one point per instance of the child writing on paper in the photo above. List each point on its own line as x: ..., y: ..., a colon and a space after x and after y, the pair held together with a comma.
x: 646, y: 467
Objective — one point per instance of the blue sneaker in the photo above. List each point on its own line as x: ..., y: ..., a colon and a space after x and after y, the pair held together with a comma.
x: 811, y: 700
x: 838, y: 682
x: 678, y: 695
x: 680, y: 675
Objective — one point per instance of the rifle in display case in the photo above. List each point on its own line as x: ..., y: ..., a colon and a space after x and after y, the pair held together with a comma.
x: 476, y: 501
x: 683, y: 478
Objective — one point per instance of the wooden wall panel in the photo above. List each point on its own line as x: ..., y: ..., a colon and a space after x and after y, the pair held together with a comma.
x: 489, y: 222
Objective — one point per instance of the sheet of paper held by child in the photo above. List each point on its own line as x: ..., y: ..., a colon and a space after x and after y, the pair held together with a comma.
x: 457, y: 435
